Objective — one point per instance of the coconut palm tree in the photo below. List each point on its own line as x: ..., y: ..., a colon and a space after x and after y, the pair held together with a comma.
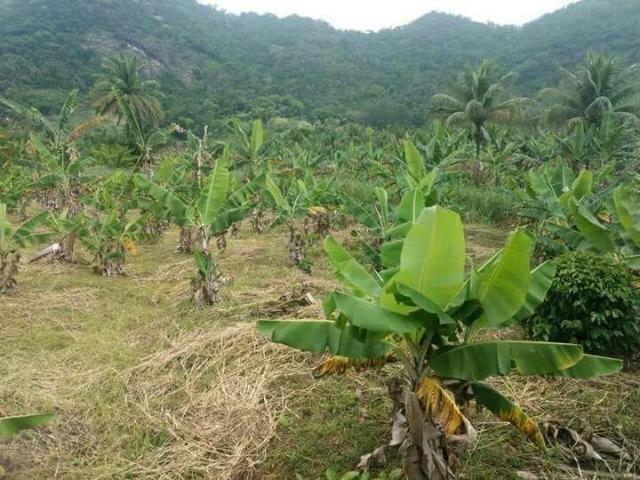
x: 603, y: 85
x: 479, y: 98
x: 122, y: 81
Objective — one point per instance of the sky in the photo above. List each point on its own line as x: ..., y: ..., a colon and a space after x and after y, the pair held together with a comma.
x: 377, y: 14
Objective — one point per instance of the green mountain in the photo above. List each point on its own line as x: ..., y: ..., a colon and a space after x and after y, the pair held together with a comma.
x: 212, y: 64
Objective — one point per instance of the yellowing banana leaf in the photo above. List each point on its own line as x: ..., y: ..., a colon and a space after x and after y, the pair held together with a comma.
x: 477, y: 361
x: 441, y: 405
x: 592, y: 366
x: 433, y: 256
x: 508, y: 411
x: 318, y: 336
x: 11, y: 425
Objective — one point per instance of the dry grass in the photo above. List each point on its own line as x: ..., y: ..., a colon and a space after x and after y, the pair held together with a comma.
x: 213, y: 400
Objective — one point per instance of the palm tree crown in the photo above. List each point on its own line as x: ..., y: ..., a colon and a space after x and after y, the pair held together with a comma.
x: 122, y: 81
x: 602, y: 86
x: 480, y: 97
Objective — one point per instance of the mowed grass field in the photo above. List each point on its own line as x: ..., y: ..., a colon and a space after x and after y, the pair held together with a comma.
x: 145, y: 386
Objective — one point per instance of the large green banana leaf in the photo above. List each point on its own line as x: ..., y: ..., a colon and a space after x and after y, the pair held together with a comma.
x: 502, y: 289
x: 433, y: 256
x: 373, y: 317
x: 592, y: 366
x: 594, y: 232
x: 214, y: 195
x: 11, y: 425
x: 628, y: 213
x: 408, y: 295
x: 541, y: 281
x: 542, y: 187
x: 174, y: 205
x: 415, y: 163
x: 391, y: 253
x: 583, y: 185
x: 411, y: 205
x: 318, y: 336
x: 477, y: 361
x: 350, y: 273
x: 277, y: 195
x: 257, y: 137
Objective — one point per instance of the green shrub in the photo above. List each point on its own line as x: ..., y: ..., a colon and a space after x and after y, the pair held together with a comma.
x: 592, y: 301
x: 480, y: 204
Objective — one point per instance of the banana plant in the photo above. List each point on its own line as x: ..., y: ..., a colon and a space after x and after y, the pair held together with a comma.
x: 385, y: 221
x: 111, y: 239
x: 616, y: 234
x: 569, y: 216
x: 12, y: 239
x: 429, y: 316
x: 211, y: 212
x: 60, y: 185
x: 291, y: 208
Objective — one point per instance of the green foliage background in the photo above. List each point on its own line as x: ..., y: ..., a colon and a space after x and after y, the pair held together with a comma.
x: 212, y: 64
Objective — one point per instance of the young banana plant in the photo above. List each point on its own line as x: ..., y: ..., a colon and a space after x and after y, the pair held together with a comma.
x: 290, y: 213
x: 429, y: 315
x: 211, y: 213
x: 111, y: 239
x: 12, y: 239
x: 563, y: 206
x: 61, y: 183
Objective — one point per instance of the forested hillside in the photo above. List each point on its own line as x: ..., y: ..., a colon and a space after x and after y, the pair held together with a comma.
x: 212, y: 64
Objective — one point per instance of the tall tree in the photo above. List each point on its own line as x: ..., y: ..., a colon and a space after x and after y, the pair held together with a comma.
x: 123, y: 82
x: 479, y: 97
x: 603, y: 85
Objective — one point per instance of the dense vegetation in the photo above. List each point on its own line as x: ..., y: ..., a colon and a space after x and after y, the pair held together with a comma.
x: 212, y: 65
x: 117, y: 168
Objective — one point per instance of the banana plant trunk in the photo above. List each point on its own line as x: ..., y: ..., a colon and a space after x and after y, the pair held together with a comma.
x: 185, y: 242
x: 110, y: 268
x: 258, y: 221
x: 111, y: 264
x: 221, y: 242
x: 296, y: 246
x: 9, y: 262
x: 424, y: 448
x: 67, y: 251
x: 206, y: 284
x: 153, y: 228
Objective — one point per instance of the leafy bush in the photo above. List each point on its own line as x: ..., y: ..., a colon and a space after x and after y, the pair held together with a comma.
x: 480, y: 204
x: 592, y: 301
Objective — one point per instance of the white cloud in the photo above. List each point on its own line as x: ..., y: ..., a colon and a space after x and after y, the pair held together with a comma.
x: 377, y: 14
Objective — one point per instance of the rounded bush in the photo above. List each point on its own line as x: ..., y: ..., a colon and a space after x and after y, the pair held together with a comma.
x: 592, y: 302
